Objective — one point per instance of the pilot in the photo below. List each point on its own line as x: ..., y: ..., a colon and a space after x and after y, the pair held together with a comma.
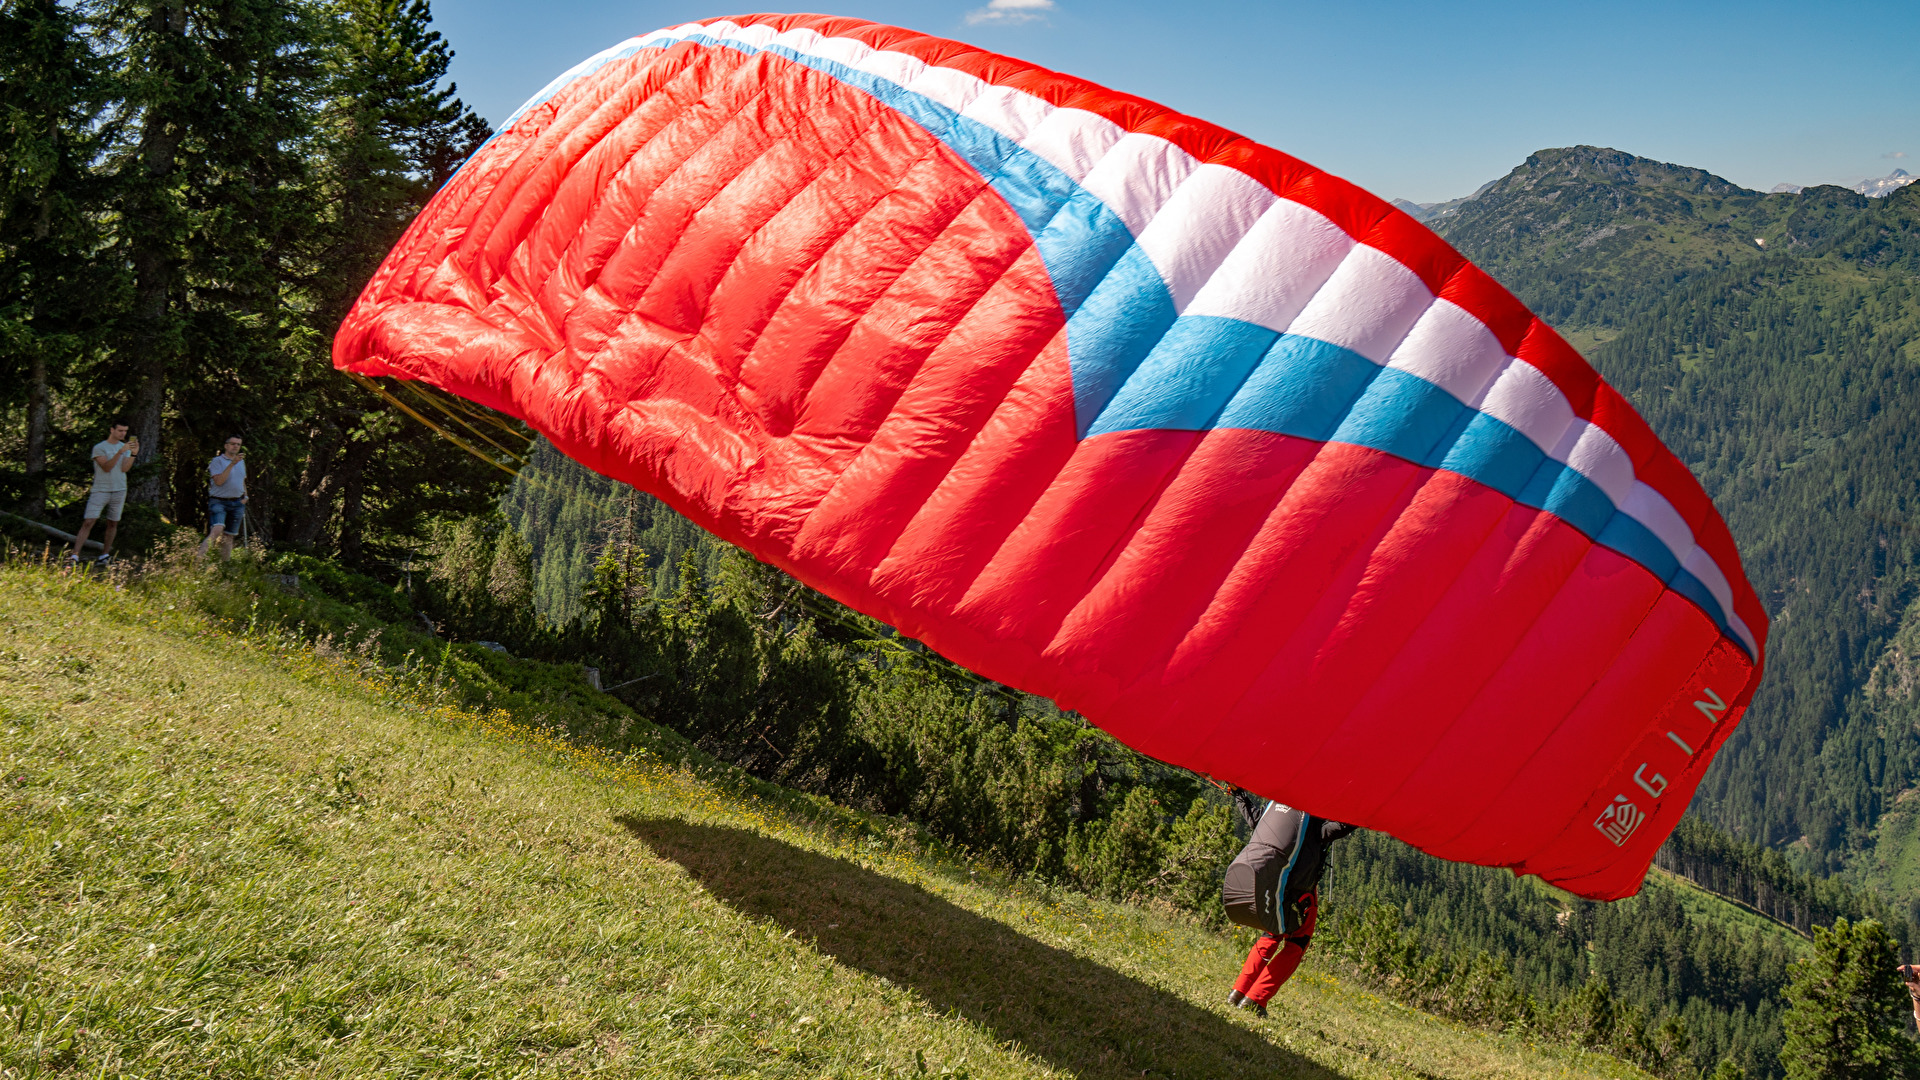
x: 1273, y: 886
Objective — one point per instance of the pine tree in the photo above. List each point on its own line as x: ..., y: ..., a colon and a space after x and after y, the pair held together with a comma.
x: 390, y: 135
x: 157, y: 79
x: 510, y: 578
x: 53, y: 90
x: 216, y: 100
x: 393, y: 135
x: 616, y: 589
x: 1847, y: 1009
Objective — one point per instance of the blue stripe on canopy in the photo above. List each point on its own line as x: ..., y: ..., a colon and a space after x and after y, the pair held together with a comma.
x: 1138, y: 364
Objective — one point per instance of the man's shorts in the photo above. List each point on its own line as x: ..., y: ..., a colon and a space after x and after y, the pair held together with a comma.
x: 106, y: 504
x: 226, y: 513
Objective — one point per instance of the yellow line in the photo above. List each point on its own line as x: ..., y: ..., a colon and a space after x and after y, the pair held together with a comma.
x: 484, y: 415
x: 434, y: 400
x: 444, y: 433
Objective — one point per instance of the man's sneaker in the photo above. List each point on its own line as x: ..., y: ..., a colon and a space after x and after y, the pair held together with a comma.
x: 1234, y: 998
x: 103, y: 558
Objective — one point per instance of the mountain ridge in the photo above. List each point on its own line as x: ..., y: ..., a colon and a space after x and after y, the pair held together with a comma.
x: 1585, y: 233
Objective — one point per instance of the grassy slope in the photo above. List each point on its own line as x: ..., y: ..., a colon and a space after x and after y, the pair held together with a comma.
x: 228, y: 856
x: 1705, y: 905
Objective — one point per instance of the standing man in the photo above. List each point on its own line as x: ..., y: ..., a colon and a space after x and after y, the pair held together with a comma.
x: 111, y: 460
x: 1274, y: 886
x: 226, y: 496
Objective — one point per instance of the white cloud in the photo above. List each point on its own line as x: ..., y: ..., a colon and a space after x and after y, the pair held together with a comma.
x: 1008, y: 12
x: 1896, y: 154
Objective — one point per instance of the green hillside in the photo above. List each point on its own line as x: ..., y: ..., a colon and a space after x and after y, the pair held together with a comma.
x: 231, y: 854
x: 1587, y: 235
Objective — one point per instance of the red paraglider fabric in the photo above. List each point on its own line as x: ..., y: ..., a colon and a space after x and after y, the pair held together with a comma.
x: 1110, y: 405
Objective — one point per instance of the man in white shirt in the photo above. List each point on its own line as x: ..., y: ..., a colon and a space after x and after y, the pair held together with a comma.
x: 111, y: 460
x: 226, y: 496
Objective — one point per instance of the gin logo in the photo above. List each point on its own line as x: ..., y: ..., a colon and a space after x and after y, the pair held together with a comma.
x: 1712, y: 707
x: 1619, y: 820
x: 1655, y: 785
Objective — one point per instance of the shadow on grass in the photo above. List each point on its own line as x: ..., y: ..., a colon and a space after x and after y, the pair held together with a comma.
x: 1077, y: 1015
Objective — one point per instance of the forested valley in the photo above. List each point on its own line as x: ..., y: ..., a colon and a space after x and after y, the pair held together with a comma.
x: 195, y: 195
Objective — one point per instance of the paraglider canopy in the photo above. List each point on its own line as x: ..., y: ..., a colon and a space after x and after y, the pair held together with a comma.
x: 1108, y: 404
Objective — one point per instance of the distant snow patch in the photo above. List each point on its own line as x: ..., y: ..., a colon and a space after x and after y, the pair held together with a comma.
x: 1885, y: 185
x: 1873, y: 188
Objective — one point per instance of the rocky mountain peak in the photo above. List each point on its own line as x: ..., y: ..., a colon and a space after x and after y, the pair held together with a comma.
x: 1883, y: 186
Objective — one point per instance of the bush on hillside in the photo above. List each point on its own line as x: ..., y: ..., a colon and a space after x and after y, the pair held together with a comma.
x: 772, y: 677
x: 384, y: 601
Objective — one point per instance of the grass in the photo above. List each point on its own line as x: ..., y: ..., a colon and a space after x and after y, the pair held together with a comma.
x: 1711, y: 907
x: 1585, y: 339
x: 227, y: 854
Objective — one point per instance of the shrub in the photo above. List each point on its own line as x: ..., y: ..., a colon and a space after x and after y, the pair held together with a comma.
x: 1846, y: 1013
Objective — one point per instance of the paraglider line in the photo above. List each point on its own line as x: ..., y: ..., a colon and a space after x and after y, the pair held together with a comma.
x: 434, y: 400
x: 448, y: 435
x: 472, y: 412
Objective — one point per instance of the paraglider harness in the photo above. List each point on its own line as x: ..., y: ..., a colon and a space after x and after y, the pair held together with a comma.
x: 1270, y: 885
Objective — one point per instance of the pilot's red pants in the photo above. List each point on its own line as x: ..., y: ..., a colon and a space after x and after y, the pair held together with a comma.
x: 1271, y: 961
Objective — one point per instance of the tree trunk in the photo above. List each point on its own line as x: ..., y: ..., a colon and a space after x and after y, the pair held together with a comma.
x: 353, y: 500
x: 319, y: 485
x: 35, y: 461
x: 149, y: 408
x: 152, y: 254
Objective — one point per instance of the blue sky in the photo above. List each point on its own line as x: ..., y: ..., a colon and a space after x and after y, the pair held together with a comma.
x: 1411, y: 100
